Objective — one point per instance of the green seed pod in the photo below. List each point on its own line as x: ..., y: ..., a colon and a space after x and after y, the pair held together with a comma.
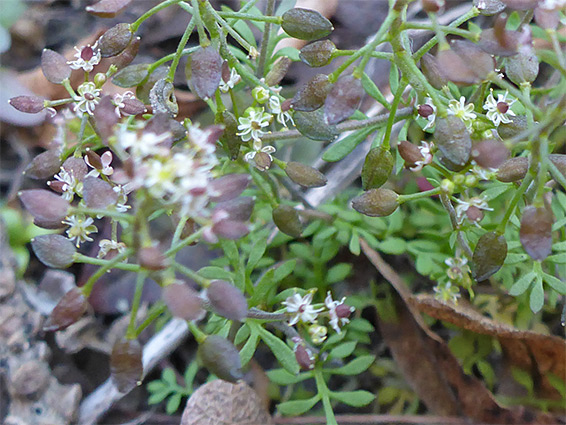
x: 221, y: 358
x: 376, y: 202
x: 131, y: 75
x: 115, y: 40
x: 318, y: 54
x: 453, y: 141
x: 68, y: 310
x: 54, y: 66
x: 312, y: 95
x: 44, y: 165
x: 489, y: 255
x: 513, y: 169
x: 430, y: 69
x: 227, y: 300
x: 343, y: 99
x: 304, y: 175
x: 377, y: 168
x: 305, y: 24
x: 523, y: 67
x: 313, y: 125
x: 229, y: 140
x: 535, y: 232
x: 517, y: 125
x: 278, y: 71
x: 287, y: 219
x: 126, y: 367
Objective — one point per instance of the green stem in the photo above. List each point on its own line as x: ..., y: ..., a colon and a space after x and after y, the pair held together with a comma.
x: 192, y: 274
x: 185, y: 242
x: 154, y: 313
x: 445, y: 29
x: 135, y: 25
x: 541, y: 174
x: 59, y: 102
x: 378, y: 55
x: 391, y: 120
x: 106, y: 265
x: 260, y: 68
x: 180, y: 47
x: 250, y: 17
x: 203, y: 39
x: 516, y: 198
x: 179, y: 230
x: 556, y: 174
x: 199, y: 335
x: 169, y: 57
x: 131, y: 332
x: 324, y: 393
x: 419, y: 195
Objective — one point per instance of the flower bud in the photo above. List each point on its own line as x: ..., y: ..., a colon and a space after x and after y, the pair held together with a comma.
x: 54, y: 66
x: 260, y: 94
x: 115, y: 40
x: 489, y: 255
x: 304, y: 175
x: 99, y: 79
x: 535, y: 232
x: 447, y: 186
x: 318, y: 54
x: 108, y: 8
x: 523, y: 67
x: 343, y: 99
x: 304, y: 356
x: 278, y: 71
x: 287, y: 220
x: 453, y: 141
x: 47, y: 208
x: 151, y: 258
x: 227, y: 300
x: 221, y: 358
x: 513, y: 169
x: 126, y: 367
x: 430, y: 69
x: 162, y: 98
x: 27, y: 104
x: 313, y: 125
x: 54, y: 250
x: 204, y: 71
x: 410, y: 153
x: 376, y: 202
x: 490, y: 153
x: 183, y: 302
x: 305, y: 24
x: 489, y: 7
x: 377, y: 168
x: 98, y: 194
x: 517, y: 125
x: 70, y: 309
x: 312, y: 95
x: 471, y: 180
x: 44, y: 165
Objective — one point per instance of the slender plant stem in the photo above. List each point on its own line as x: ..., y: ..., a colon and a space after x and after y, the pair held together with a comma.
x: 378, y: 55
x: 154, y: 313
x: 92, y: 211
x: 135, y: 25
x: 556, y: 174
x: 446, y: 29
x: 192, y: 274
x: 419, y: 195
x: 516, y: 198
x: 203, y: 39
x: 180, y: 47
x: 269, y: 11
x: 251, y: 50
x: 131, y: 332
x: 185, y: 242
x: 250, y: 17
x: 394, y: 105
x: 106, y: 265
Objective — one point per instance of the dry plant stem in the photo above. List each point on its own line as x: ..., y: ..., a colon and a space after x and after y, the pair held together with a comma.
x: 96, y: 404
x: 373, y: 419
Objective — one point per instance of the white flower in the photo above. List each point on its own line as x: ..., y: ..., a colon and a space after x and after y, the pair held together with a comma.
x: 106, y: 246
x: 251, y: 157
x: 106, y: 160
x: 70, y: 184
x: 462, y: 111
x: 234, y: 79
x: 252, y: 124
x: 428, y: 111
x: 446, y: 292
x: 317, y: 333
x: 87, y: 57
x: 275, y: 109
x: 122, y: 192
x: 425, y: 148
x: 87, y: 98
x: 160, y: 178
x: 498, y: 111
x: 476, y: 203
x: 80, y: 228
x: 118, y: 100
x: 457, y: 268
x: 338, y: 312
x: 144, y: 145
x: 482, y: 173
x: 302, y: 308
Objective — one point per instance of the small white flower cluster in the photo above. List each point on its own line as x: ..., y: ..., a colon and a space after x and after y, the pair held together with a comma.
x: 471, y: 208
x: 86, y: 58
x: 498, y: 111
x: 462, y: 111
x: 87, y: 98
x: 304, y: 312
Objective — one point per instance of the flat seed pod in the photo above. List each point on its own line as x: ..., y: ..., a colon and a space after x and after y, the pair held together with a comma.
x: 430, y: 68
x: 128, y: 55
x: 97, y: 193
x: 54, y: 250
x: 44, y: 165
x: 221, y: 402
x: 278, y: 71
x: 513, y: 169
x: 227, y: 300
x: 480, y: 62
x: 376, y: 202
x: 517, y: 125
x: 312, y: 95
x: 343, y: 99
x: 204, y: 71
x: 108, y: 8
x: 105, y: 118
x: 76, y: 166
x: 54, y: 66
x: 27, y: 104
x: 152, y: 258
x: 535, y: 233
x: 230, y: 229
x: 304, y: 175
x: 523, y: 67
x: 521, y: 4
x: 317, y: 54
x: 313, y: 125
x: 131, y: 75
x: 490, y: 153
x: 287, y: 219
x: 229, y: 186
x: 126, y: 367
x: 238, y: 209
x: 489, y: 255
x: 47, y: 208
x: 305, y: 24
x: 115, y: 40
x: 183, y: 301
x: 500, y: 45
x: 377, y: 168
x: 221, y: 358
x: 453, y: 141
x: 69, y: 310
